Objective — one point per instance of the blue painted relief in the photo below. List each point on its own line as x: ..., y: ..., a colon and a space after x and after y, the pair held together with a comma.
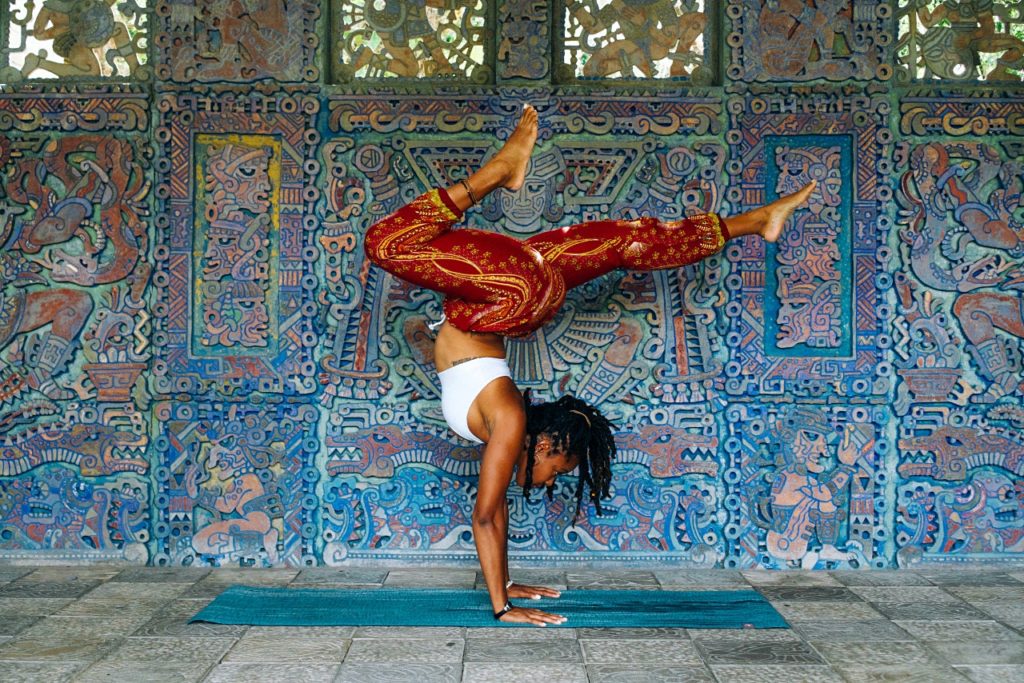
x: 198, y: 365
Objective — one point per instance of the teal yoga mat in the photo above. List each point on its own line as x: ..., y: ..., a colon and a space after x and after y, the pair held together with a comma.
x: 260, y: 606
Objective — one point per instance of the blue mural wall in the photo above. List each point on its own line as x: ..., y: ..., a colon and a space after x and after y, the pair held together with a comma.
x: 199, y: 367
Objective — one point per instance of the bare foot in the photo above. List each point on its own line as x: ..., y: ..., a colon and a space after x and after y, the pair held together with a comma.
x: 780, y: 210
x: 515, y: 154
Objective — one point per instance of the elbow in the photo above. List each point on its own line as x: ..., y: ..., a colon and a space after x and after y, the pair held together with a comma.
x: 482, y: 520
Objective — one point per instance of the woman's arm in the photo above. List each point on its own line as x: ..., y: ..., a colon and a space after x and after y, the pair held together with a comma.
x: 503, y: 519
x: 489, y: 526
x: 507, y: 425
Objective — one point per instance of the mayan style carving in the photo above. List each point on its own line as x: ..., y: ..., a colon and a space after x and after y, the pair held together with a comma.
x: 960, y: 242
x: 797, y: 347
x: 199, y: 366
x: 73, y: 328
x: 801, y: 40
x: 421, y: 39
x: 236, y: 262
x: 977, y: 257
x: 248, y: 323
x: 237, y: 40
x: 236, y: 484
x: 927, y: 112
x: 811, y: 258
x: 72, y: 182
x: 524, y: 39
x: 629, y: 39
x: 812, y: 496
x: 77, y: 38
x: 959, y: 494
x: 51, y: 513
x: 961, y: 40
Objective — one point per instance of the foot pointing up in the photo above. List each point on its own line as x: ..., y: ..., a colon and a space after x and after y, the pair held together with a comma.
x: 780, y: 210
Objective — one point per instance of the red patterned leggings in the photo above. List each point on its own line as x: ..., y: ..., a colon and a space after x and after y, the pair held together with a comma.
x: 495, y: 283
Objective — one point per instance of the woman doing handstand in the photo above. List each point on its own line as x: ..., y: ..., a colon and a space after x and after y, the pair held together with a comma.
x: 497, y: 286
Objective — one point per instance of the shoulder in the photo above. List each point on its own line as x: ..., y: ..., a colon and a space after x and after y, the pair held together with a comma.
x: 501, y: 406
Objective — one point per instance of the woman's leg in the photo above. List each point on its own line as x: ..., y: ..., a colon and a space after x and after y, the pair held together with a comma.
x: 588, y: 250
x: 492, y: 282
x: 768, y: 220
x: 505, y: 169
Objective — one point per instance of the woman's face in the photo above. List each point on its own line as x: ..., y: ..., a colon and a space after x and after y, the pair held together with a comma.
x: 549, y: 463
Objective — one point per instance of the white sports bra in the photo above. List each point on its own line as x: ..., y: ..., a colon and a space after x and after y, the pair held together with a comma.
x: 461, y: 384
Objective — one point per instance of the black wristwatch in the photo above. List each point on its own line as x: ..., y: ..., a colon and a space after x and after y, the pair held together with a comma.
x: 504, y: 610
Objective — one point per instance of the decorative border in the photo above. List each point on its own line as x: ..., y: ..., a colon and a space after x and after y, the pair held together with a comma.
x: 292, y: 119
x: 929, y: 111
x: 751, y: 371
x: 86, y: 108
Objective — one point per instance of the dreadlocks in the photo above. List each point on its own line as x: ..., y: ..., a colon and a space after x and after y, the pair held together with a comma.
x: 576, y: 428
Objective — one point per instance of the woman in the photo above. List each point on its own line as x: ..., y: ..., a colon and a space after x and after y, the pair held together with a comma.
x: 497, y: 286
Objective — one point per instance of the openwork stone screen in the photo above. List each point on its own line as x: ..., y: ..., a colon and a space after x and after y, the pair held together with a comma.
x: 76, y: 38
x: 389, y: 39
x: 626, y: 40
x: 198, y: 366
x: 964, y: 41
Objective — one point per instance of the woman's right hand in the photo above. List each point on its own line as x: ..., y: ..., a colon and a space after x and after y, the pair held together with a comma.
x: 526, y: 615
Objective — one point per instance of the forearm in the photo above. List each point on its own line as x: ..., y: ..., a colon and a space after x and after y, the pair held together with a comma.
x: 487, y: 533
x: 503, y: 523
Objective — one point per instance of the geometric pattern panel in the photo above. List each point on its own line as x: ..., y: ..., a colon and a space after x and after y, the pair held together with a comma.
x: 803, y: 41
x: 74, y: 274
x: 235, y: 484
x: 234, y: 281
x: 807, y: 329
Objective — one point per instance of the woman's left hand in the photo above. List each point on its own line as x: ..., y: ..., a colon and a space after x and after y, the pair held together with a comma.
x: 518, y: 590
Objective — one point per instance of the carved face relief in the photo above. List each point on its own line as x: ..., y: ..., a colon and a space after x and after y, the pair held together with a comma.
x: 525, y: 205
x: 239, y: 176
x: 808, y: 449
x: 808, y: 315
x: 227, y: 457
x: 235, y: 313
x: 222, y: 250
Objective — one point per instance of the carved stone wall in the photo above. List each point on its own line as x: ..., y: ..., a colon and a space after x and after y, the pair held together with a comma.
x: 199, y: 366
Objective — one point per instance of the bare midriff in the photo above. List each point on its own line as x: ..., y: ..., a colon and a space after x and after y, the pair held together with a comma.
x: 453, y: 346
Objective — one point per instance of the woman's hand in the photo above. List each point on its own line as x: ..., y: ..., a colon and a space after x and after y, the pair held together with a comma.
x: 525, y: 615
x: 518, y: 590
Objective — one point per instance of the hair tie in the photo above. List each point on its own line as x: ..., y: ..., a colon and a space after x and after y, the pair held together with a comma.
x: 583, y: 416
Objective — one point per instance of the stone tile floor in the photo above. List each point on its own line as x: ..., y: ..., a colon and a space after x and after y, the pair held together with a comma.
x: 100, y: 623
